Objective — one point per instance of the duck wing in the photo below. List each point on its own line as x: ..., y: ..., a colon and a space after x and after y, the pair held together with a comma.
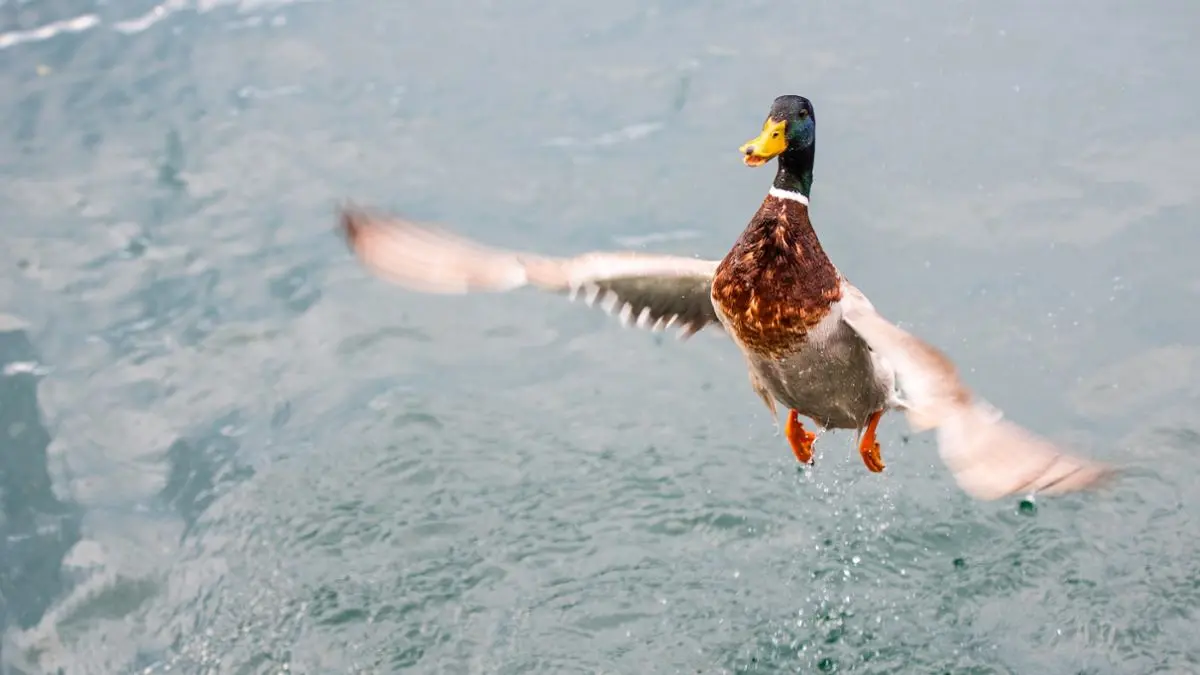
x: 989, y: 456
x: 650, y: 291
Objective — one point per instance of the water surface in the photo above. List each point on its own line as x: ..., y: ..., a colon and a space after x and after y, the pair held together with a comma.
x: 227, y: 449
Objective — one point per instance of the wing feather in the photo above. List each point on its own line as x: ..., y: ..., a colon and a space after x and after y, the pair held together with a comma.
x: 989, y: 456
x: 650, y: 291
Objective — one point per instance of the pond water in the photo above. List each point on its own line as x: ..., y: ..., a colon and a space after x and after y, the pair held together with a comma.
x: 226, y: 448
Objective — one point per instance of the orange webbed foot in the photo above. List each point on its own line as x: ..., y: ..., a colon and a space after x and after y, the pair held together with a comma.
x: 800, y: 438
x: 868, y: 447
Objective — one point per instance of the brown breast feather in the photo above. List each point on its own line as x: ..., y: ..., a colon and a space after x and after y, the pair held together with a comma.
x: 776, y: 283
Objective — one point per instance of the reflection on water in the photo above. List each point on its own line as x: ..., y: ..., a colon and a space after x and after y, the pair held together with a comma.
x: 249, y: 455
x: 200, y: 468
x: 37, y: 528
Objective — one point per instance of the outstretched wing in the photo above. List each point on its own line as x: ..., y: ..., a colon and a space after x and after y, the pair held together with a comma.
x: 651, y: 291
x: 989, y: 456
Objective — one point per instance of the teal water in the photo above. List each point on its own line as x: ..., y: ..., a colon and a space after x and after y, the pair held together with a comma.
x: 225, y: 448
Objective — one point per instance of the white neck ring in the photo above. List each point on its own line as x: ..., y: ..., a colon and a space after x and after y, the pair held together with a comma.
x: 780, y: 193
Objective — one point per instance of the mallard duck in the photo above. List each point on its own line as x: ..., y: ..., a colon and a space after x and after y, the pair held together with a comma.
x: 812, y: 341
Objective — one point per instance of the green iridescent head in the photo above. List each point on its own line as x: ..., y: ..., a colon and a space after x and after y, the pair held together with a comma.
x: 789, y: 133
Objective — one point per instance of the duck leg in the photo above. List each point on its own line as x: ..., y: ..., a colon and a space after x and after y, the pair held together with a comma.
x: 800, y: 438
x: 868, y: 447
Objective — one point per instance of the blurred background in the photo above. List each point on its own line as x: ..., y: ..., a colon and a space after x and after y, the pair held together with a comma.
x: 225, y: 448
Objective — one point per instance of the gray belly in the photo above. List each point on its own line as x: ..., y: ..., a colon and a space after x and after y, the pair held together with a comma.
x: 833, y: 381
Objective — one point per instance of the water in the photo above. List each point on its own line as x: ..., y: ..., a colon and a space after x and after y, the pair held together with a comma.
x: 227, y: 449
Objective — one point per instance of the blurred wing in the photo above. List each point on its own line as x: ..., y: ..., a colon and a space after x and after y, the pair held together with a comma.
x: 653, y: 291
x: 989, y: 456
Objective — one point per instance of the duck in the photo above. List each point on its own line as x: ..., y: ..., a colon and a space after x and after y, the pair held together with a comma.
x: 813, y: 343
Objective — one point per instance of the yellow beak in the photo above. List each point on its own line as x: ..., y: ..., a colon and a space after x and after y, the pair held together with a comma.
x: 769, y: 144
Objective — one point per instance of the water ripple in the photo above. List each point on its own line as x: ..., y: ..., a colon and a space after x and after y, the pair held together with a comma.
x: 137, y: 24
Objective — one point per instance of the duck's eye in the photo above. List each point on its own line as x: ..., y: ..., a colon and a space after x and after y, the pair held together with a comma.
x: 803, y: 114
x: 774, y: 134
